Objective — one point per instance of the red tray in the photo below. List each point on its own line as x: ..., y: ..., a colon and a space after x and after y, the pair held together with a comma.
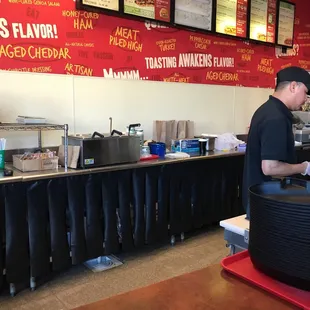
x: 152, y: 157
x: 241, y: 266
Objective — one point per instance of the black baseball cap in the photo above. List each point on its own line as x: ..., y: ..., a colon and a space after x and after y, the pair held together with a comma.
x: 294, y: 74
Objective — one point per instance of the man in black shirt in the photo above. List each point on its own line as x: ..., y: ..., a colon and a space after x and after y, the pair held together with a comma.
x: 270, y: 147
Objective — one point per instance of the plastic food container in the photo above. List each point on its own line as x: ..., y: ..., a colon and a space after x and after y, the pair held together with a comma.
x: 158, y: 148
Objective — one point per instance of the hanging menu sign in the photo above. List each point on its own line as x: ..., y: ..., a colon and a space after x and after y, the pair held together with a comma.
x: 194, y: 13
x: 263, y: 20
x: 112, y: 5
x: 231, y: 17
x: 286, y: 24
x: 152, y: 9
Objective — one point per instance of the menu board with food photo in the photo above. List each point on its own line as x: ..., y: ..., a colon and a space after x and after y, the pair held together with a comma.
x: 286, y: 24
x: 263, y: 20
x: 152, y: 9
x: 112, y: 5
x: 231, y: 17
x: 194, y: 13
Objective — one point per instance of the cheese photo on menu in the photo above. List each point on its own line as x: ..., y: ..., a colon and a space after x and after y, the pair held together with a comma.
x: 144, y: 8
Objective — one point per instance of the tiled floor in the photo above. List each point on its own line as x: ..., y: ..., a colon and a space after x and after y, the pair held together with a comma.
x: 80, y: 286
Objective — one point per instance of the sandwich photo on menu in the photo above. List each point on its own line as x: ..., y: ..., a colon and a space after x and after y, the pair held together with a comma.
x: 144, y: 3
x: 261, y: 37
x: 259, y: 33
x: 164, y: 13
x: 143, y: 8
x: 231, y: 30
x: 153, y: 9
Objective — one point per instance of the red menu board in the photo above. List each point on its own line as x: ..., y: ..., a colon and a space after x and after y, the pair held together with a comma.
x: 58, y: 39
x: 231, y: 17
x: 152, y: 9
x: 263, y: 20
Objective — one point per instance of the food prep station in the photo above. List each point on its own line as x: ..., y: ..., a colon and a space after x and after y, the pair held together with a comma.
x: 119, y: 194
x: 112, y: 198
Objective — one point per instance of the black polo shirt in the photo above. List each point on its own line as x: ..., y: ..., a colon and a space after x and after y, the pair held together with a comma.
x: 270, y: 138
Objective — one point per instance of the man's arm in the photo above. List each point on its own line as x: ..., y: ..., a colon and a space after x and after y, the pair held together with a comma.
x: 274, y: 145
x: 281, y: 169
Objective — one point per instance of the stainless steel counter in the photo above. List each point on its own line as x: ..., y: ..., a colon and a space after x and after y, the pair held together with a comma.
x: 167, y: 200
x: 45, y: 212
x: 19, y: 176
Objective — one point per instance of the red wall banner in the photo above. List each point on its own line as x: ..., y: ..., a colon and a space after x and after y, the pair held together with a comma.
x: 46, y: 36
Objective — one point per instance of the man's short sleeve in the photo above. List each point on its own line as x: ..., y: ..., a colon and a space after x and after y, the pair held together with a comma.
x: 274, y: 140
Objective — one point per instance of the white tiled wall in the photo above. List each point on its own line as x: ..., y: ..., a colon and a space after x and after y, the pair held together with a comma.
x: 247, y: 100
x: 86, y: 104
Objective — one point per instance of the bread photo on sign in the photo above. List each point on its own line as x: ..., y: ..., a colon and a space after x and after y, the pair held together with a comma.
x: 144, y: 2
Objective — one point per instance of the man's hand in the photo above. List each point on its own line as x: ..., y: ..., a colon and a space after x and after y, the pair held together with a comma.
x: 307, y: 168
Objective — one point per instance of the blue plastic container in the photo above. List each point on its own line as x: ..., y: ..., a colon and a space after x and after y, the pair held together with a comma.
x: 158, y: 148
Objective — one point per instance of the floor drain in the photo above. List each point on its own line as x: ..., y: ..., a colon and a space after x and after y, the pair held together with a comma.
x: 103, y: 263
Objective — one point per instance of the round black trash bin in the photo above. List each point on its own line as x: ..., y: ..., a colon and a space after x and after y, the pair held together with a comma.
x: 279, y: 244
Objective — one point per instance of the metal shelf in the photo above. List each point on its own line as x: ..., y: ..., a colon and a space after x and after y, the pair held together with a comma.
x: 30, y: 127
x: 39, y: 128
